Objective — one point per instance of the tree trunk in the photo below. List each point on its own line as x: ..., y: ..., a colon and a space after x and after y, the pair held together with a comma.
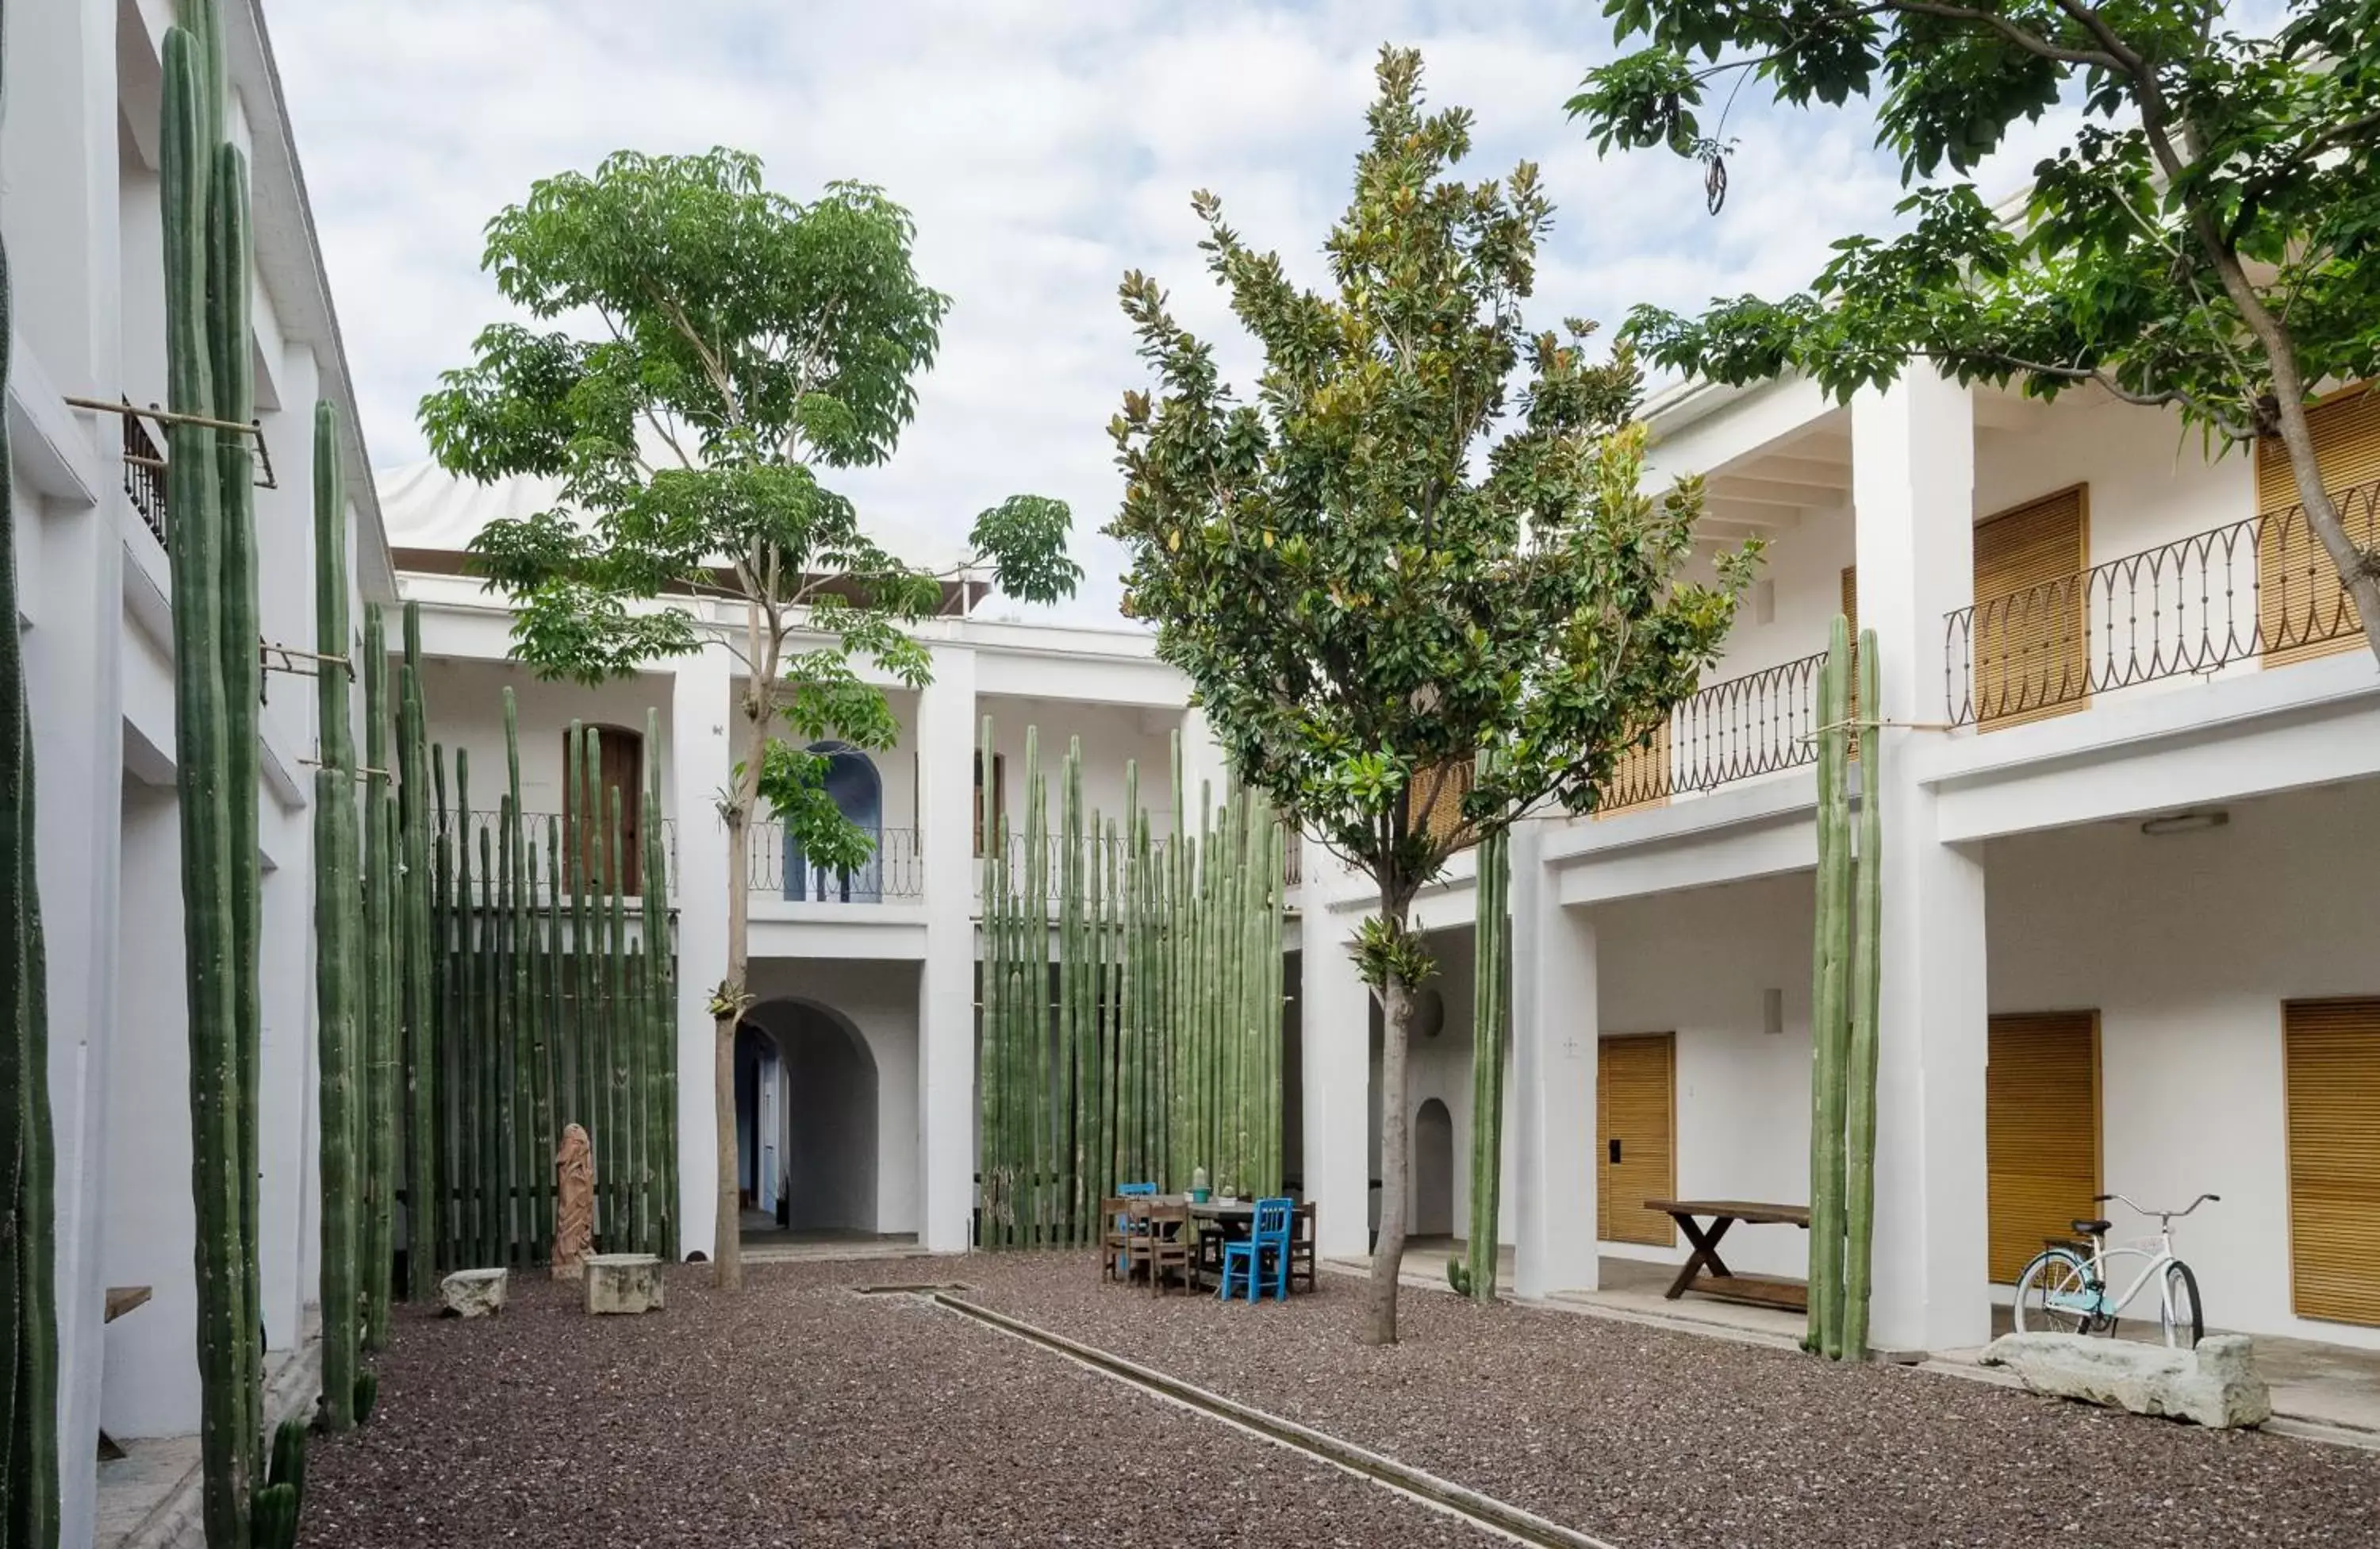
x: 1388, y: 1251
x: 728, y: 1262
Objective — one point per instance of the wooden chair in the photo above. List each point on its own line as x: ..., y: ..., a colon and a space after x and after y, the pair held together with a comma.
x: 1261, y: 1256
x: 1302, y: 1266
x: 1167, y: 1245
x: 1121, y: 1230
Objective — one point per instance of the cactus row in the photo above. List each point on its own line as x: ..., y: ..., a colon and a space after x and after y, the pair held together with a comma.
x: 1845, y: 985
x: 1491, y: 1001
x: 1133, y: 1033
x: 535, y: 999
x: 339, y: 997
x: 204, y: 207
x: 28, y: 1321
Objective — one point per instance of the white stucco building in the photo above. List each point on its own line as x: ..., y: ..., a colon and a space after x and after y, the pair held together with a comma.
x: 78, y: 203
x: 2130, y: 786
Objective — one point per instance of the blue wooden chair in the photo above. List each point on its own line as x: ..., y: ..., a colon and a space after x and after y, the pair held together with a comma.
x: 1264, y: 1253
x: 1120, y: 1231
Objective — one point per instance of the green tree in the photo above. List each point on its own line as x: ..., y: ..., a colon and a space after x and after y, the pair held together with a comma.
x: 2199, y: 242
x: 1421, y: 545
x: 739, y: 341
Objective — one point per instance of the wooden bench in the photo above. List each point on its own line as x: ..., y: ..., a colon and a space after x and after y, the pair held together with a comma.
x: 1704, y: 1272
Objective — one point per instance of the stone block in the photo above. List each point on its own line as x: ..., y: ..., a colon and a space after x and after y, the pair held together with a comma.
x: 2215, y: 1385
x: 623, y: 1283
x: 473, y: 1293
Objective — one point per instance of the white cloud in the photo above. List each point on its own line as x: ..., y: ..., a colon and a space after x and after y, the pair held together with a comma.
x: 1044, y: 148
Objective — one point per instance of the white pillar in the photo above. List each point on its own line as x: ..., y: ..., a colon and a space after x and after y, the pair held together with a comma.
x: 1202, y: 764
x: 1554, y: 1031
x: 946, y: 1019
x: 1914, y: 491
x: 700, y: 708
x: 1334, y: 1041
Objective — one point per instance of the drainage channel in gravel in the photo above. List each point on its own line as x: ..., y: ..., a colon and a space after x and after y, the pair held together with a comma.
x: 1485, y: 1512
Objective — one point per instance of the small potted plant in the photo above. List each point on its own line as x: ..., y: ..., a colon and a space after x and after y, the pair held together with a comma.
x: 1198, y: 1192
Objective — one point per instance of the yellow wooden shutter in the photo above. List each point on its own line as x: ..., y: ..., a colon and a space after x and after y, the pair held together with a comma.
x: 2031, y: 632
x: 2041, y: 1132
x: 1640, y: 775
x: 1634, y: 1107
x: 2301, y: 611
x: 2332, y: 1064
x: 1442, y: 787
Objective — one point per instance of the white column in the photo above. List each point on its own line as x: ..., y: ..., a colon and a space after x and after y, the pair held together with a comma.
x: 1202, y: 764
x: 1914, y: 491
x: 1335, y: 1043
x: 946, y: 1019
x: 1554, y: 1031
x: 700, y: 711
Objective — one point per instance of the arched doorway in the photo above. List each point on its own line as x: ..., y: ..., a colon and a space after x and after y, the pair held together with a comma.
x: 1433, y: 1158
x: 810, y: 1126
x: 858, y: 793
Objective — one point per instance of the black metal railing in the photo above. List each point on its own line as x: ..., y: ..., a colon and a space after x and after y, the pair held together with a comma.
x: 896, y: 872
x: 479, y: 822
x: 1744, y: 726
x: 2264, y: 587
x: 144, y: 473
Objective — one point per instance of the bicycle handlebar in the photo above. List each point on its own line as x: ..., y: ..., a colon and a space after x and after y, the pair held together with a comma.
x: 2160, y: 1215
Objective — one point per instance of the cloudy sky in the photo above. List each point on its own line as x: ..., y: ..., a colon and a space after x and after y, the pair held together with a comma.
x: 1045, y: 147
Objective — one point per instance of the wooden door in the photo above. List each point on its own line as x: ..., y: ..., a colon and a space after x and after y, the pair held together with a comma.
x: 619, y: 764
x: 1636, y: 1156
x: 2041, y: 1132
x: 2331, y: 1064
x: 2301, y: 611
x: 2031, y: 621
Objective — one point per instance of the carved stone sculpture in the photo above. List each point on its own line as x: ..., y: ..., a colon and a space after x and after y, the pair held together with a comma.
x: 574, y: 1216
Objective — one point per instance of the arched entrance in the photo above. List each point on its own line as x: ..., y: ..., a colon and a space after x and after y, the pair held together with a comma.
x: 809, y: 1127
x: 1433, y: 1158
x: 858, y: 793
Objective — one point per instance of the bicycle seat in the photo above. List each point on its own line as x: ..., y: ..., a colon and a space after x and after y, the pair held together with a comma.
x: 2093, y: 1228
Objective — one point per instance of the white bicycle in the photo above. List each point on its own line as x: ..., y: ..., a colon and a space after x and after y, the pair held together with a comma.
x: 2065, y: 1288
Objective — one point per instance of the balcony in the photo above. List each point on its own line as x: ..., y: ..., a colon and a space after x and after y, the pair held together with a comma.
x: 896, y: 874
x: 487, y: 828
x: 1736, y: 729
x: 2260, y: 590
x: 144, y: 475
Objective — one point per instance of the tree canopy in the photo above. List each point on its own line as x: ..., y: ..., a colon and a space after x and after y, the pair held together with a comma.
x: 1420, y: 546
x: 2198, y: 242
x: 708, y: 346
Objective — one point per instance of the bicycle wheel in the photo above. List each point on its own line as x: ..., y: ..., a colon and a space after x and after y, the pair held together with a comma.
x: 2184, y: 1320
x: 2054, y: 1295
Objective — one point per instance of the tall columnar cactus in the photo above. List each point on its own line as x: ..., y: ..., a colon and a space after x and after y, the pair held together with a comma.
x: 29, y: 1327
x: 1490, y: 1008
x: 1844, y: 1006
x: 419, y: 966
x: 1867, y: 991
x: 202, y: 196
x: 377, y: 1067
x: 337, y: 993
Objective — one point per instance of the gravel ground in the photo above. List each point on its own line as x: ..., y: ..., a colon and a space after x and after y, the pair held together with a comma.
x: 799, y: 1413
x: 1652, y: 1438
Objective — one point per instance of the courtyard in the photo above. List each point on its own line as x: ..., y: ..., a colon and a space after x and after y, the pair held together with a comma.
x: 802, y: 1411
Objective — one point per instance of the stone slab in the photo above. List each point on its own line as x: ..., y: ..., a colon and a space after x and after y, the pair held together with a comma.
x: 2216, y: 1384
x: 474, y: 1293
x: 623, y: 1283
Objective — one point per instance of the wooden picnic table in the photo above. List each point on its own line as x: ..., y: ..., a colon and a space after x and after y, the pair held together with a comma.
x: 1704, y: 1272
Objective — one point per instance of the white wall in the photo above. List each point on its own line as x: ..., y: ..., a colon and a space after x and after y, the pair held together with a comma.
x: 1110, y: 734
x: 2187, y: 945
x: 880, y: 1000
x: 466, y: 711
x: 1697, y: 964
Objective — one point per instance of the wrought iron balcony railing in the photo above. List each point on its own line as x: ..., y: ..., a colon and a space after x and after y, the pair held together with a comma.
x: 479, y: 823
x: 895, y: 873
x: 1735, y: 729
x: 144, y: 474
x: 2261, y: 588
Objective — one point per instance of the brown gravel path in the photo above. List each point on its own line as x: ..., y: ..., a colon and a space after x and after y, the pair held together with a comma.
x: 799, y: 1413
x: 1651, y: 1438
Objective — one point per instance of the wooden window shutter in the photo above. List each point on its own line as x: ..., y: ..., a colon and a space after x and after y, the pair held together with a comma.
x: 1443, y: 786
x: 1640, y: 775
x: 2032, y: 629
x: 2301, y: 609
x: 2041, y: 1132
x: 2331, y: 1078
x: 619, y: 765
